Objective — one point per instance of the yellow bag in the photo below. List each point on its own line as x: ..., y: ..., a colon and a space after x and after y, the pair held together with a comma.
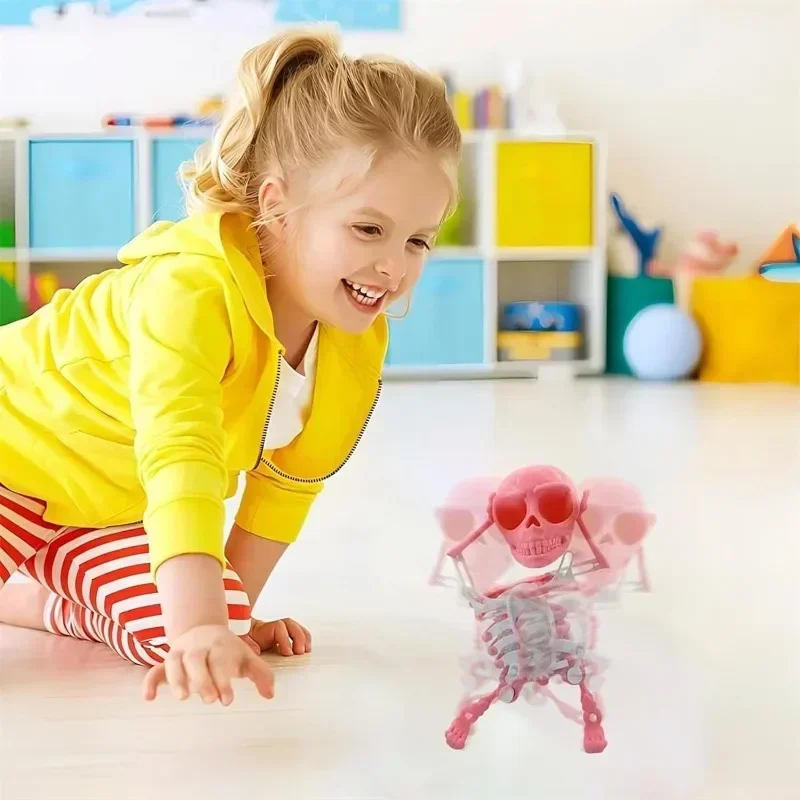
x: 751, y: 329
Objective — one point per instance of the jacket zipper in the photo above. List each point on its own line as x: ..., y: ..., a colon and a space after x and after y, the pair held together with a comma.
x: 269, y: 413
x: 330, y: 474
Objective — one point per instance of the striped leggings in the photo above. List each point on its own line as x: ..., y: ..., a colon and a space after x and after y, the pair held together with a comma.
x: 99, y: 580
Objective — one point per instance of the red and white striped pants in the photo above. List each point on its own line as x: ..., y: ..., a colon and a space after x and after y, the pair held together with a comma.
x: 99, y: 579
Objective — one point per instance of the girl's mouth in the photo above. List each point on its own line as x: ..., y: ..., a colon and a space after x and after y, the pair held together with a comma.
x: 367, y: 298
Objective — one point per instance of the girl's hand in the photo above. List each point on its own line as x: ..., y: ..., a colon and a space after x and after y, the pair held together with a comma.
x: 204, y: 661
x: 285, y: 636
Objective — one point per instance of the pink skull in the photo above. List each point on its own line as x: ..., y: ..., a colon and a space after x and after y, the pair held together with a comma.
x: 462, y: 511
x: 535, y: 508
x: 616, y: 519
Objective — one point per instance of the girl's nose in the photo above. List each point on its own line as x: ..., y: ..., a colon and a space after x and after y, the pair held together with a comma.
x: 390, y: 270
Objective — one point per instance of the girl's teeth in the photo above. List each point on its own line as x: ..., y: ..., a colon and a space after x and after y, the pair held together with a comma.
x: 365, y: 291
x: 360, y: 297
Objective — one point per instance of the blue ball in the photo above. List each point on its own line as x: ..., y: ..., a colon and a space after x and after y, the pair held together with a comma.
x: 662, y: 343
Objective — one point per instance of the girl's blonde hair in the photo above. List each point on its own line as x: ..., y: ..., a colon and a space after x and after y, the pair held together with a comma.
x: 299, y: 100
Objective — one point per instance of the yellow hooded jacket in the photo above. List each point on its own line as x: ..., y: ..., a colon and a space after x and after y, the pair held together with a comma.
x: 144, y: 392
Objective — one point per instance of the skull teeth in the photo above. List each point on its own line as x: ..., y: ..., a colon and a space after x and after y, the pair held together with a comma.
x: 539, y: 547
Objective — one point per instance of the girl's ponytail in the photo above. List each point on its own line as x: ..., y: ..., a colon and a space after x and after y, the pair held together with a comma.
x: 298, y: 100
x: 223, y: 175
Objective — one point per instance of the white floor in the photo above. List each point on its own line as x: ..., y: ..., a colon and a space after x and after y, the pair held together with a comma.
x: 702, y: 696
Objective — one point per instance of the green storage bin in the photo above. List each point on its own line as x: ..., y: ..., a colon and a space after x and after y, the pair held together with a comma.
x: 10, y: 306
x: 7, y: 236
x: 626, y: 298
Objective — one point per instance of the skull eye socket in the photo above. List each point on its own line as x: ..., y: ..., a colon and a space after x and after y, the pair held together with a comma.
x: 631, y: 527
x: 556, y: 504
x: 510, y: 511
x: 455, y: 523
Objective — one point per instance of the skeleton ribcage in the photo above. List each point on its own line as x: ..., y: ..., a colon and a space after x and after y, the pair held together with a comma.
x: 530, y: 636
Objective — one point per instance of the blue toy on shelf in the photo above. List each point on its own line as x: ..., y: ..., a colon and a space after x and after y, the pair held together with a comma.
x: 540, y: 316
x: 646, y: 242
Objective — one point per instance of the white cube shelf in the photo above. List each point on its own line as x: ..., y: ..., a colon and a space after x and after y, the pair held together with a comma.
x: 526, y: 234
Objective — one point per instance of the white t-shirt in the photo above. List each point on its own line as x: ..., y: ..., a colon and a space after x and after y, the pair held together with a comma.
x: 293, y: 399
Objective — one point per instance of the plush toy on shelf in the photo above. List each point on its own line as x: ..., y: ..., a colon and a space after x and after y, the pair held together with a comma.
x: 705, y: 255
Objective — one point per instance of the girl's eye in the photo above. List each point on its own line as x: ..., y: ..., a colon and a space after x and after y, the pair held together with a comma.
x: 420, y: 243
x: 369, y: 230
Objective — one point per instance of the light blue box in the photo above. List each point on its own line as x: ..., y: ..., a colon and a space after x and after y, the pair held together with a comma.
x: 445, y: 323
x: 18, y: 12
x: 168, y: 155
x: 81, y: 193
x: 382, y: 15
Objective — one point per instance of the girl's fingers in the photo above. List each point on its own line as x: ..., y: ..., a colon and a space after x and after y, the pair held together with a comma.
x: 220, y: 669
x: 298, y: 634
x: 261, y: 675
x: 200, y: 681
x: 308, y: 638
x: 176, y: 675
x: 282, y: 639
x: 252, y: 644
x: 154, y: 678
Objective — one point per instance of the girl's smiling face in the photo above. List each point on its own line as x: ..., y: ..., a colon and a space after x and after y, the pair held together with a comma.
x: 344, y: 255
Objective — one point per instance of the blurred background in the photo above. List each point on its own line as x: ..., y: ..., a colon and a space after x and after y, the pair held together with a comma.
x: 688, y: 109
x: 699, y: 98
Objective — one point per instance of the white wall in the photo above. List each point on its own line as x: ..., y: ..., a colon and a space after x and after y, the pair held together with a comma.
x: 700, y: 98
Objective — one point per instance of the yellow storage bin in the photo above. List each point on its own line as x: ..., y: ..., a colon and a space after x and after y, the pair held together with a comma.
x: 751, y: 330
x: 539, y: 345
x: 8, y: 270
x: 544, y: 194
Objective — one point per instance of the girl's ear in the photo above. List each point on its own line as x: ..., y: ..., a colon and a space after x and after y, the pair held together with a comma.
x: 273, y: 203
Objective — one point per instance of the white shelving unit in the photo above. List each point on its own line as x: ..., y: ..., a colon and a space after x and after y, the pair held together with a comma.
x: 452, y: 329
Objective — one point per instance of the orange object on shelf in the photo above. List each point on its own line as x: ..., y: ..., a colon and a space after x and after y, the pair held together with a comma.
x: 782, y: 249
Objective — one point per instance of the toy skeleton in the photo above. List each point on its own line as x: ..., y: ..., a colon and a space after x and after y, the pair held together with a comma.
x: 541, y: 627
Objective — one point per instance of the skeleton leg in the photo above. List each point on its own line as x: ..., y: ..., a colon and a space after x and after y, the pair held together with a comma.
x: 457, y: 733
x: 594, y: 739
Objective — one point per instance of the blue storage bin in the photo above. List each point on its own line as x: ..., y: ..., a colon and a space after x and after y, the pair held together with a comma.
x: 81, y: 193
x: 445, y: 323
x: 540, y: 316
x: 168, y: 155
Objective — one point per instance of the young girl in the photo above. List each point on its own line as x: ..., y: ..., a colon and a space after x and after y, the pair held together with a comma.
x: 248, y: 337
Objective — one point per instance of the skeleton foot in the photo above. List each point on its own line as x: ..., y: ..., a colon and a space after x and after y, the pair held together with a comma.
x: 594, y: 739
x: 456, y: 735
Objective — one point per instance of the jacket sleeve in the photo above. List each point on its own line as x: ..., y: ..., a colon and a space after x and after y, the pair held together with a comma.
x: 180, y: 346
x: 274, y: 508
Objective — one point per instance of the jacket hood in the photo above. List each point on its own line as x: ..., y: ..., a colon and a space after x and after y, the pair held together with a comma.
x: 200, y: 234
x: 224, y: 236
x: 230, y: 238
